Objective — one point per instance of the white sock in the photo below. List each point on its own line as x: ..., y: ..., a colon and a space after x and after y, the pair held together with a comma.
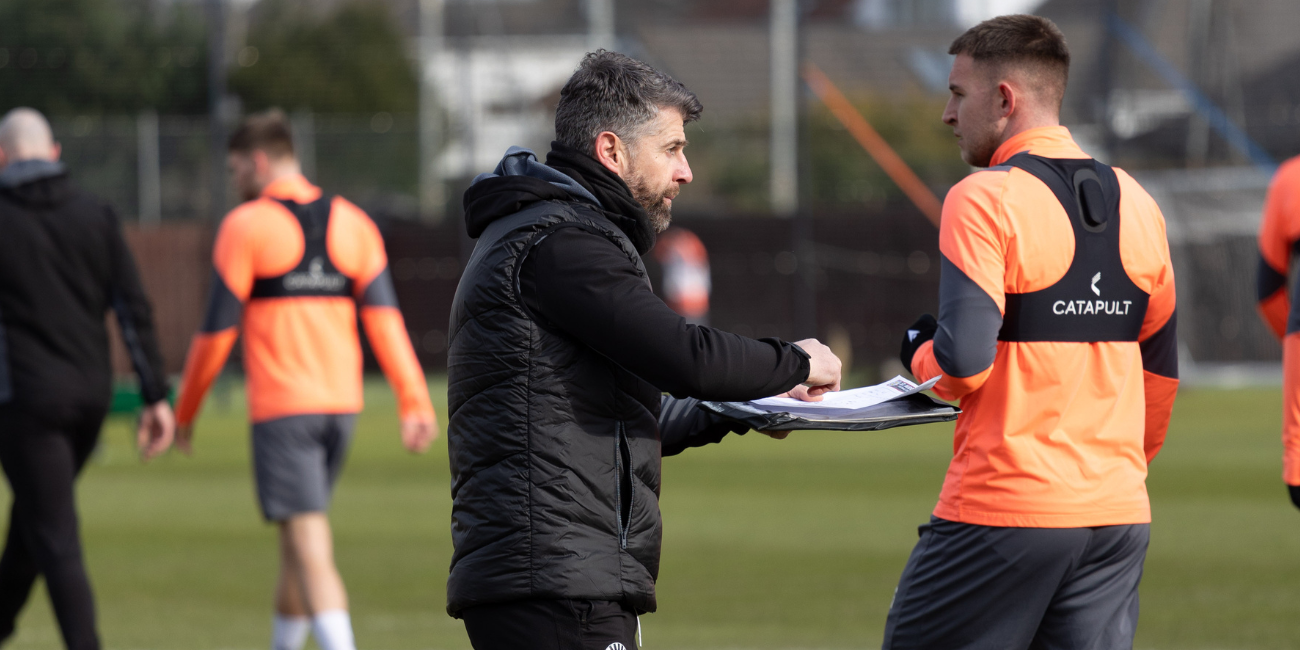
x: 289, y: 632
x: 333, y: 630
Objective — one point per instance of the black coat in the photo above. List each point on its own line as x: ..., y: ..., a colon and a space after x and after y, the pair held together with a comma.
x: 63, y: 266
x: 558, y: 357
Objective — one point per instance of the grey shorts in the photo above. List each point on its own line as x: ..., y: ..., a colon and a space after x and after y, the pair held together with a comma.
x: 969, y: 587
x: 296, y: 461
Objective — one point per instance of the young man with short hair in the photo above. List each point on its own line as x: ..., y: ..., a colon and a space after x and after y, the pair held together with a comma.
x: 293, y: 266
x: 1056, y: 331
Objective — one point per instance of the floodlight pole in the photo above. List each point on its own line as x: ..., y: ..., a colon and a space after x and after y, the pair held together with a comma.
x: 433, y: 192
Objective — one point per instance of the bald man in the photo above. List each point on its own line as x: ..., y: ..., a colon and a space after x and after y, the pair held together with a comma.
x: 63, y: 266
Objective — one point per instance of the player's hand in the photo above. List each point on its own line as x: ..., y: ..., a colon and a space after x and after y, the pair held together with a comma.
x: 921, y: 331
x: 418, y: 432
x: 157, y: 427
x: 823, y: 367
x: 775, y: 435
x: 185, y: 439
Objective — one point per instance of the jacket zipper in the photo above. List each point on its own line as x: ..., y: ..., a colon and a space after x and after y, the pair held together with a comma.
x: 623, y: 489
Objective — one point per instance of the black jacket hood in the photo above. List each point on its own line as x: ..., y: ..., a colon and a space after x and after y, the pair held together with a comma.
x: 519, y: 180
x: 35, y: 183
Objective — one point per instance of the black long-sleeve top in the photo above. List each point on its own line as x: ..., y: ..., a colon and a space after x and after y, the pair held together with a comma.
x: 63, y: 266
x: 583, y: 285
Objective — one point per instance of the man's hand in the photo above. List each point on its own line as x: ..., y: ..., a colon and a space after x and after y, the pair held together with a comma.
x: 1295, y: 494
x: 185, y: 439
x: 823, y: 368
x: 418, y: 432
x: 803, y: 394
x: 800, y: 393
x: 921, y: 331
x: 156, y: 430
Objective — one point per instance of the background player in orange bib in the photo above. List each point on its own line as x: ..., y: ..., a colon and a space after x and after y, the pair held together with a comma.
x: 1056, y: 331
x: 292, y: 267
x: 1279, y: 234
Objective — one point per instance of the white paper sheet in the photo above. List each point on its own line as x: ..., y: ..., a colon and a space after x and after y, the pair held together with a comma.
x: 846, y: 401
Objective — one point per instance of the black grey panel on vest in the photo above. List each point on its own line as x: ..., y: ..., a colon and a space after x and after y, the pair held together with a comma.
x: 1095, y: 300
x: 1160, y: 350
x: 969, y: 321
x: 380, y: 291
x: 224, y: 309
x: 315, y: 276
x: 1268, y: 280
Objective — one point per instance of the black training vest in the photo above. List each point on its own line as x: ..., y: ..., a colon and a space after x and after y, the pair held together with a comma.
x: 554, y: 449
x: 315, y: 275
x: 1095, y: 301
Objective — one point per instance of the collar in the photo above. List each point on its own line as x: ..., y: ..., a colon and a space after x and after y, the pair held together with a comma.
x: 293, y: 187
x: 613, y: 195
x: 1046, y: 141
x: 22, y: 172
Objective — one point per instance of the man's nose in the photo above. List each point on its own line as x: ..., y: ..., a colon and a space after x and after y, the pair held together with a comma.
x: 683, y: 173
x: 949, y: 115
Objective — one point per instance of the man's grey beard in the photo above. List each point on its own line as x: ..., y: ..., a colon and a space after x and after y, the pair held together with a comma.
x: 654, y: 202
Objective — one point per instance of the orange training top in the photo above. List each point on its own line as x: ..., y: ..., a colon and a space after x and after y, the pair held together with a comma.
x: 1279, y: 235
x: 301, y: 349
x: 1053, y: 434
x: 686, y: 271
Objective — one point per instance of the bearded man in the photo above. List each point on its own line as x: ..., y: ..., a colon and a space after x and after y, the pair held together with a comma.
x: 559, y: 357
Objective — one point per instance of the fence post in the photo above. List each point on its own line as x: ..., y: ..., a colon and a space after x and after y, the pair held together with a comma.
x: 148, y: 169
x: 303, y: 124
x: 600, y: 23
x: 433, y: 194
x: 216, y: 32
x: 784, y: 38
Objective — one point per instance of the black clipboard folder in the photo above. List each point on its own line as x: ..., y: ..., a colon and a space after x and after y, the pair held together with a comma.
x: 910, y: 410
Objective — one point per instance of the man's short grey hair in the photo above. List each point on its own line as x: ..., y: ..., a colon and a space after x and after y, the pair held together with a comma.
x: 615, y: 92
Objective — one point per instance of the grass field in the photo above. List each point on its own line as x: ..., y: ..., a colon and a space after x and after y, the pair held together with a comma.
x: 790, y: 544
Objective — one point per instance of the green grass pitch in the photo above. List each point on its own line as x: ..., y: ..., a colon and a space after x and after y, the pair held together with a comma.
x: 767, y: 544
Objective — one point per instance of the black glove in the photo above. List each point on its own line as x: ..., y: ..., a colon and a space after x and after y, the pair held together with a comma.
x: 921, y: 331
x: 1295, y: 494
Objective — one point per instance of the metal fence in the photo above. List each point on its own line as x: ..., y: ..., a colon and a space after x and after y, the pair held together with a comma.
x: 154, y: 168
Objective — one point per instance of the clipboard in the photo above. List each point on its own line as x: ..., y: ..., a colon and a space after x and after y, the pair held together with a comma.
x: 917, y: 408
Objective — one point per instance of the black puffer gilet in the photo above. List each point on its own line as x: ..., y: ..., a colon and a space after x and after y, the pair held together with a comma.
x: 554, y: 449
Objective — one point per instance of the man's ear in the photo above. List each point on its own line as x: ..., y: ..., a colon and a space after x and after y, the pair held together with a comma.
x: 261, y: 163
x: 1008, y: 99
x: 611, y: 153
x: 56, y: 149
x: 4, y: 161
